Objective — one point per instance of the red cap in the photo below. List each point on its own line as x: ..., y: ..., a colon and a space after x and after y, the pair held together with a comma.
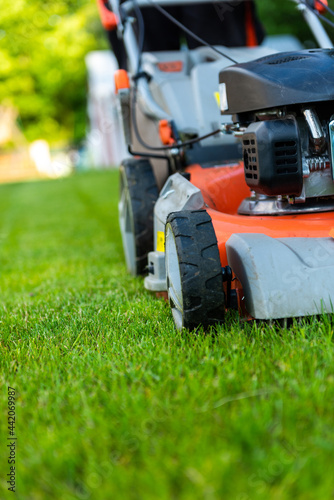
x: 320, y: 6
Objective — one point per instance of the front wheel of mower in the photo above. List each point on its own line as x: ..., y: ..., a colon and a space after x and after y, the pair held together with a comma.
x: 138, y: 194
x: 193, y: 270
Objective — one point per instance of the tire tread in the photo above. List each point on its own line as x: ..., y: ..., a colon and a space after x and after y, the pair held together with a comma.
x: 200, y: 268
x: 143, y: 195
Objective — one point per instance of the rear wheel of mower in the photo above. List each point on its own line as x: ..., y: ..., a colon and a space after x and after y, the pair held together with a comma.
x: 193, y: 270
x: 138, y: 194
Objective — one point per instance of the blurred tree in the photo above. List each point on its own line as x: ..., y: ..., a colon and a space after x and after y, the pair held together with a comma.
x: 42, y: 70
x: 284, y: 17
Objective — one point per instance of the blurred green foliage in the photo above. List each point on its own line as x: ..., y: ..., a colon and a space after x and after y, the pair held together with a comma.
x: 42, y: 70
x: 42, y: 49
x: 283, y: 17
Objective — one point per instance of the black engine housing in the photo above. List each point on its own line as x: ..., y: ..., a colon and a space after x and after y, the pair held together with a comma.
x: 272, y: 157
x: 282, y: 79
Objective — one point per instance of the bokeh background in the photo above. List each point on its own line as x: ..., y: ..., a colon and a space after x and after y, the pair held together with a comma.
x: 43, y: 77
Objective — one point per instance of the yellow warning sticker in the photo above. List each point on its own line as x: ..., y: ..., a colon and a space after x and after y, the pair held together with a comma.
x: 217, y: 97
x: 160, y: 241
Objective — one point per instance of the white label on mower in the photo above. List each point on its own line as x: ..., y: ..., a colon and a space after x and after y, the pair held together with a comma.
x: 223, y: 97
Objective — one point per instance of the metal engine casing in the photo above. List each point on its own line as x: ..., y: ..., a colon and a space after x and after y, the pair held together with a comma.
x: 290, y: 160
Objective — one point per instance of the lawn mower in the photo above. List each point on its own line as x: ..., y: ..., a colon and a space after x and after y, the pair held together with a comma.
x: 227, y: 200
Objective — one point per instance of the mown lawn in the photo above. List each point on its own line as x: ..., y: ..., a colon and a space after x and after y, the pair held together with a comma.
x: 113, y: 403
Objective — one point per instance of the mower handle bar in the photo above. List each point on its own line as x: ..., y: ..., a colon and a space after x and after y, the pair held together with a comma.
x: 130, y: 41
x: 314, y: 23
x: 148, y: 3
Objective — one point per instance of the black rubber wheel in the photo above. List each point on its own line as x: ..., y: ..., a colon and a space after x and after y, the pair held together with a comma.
x: 193, y: 270
x: 138, y: 194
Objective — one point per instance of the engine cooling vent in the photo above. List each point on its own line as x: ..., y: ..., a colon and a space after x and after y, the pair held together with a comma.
x: 286, y: 157
x: 284, y: 60
x: 250, y: 159
x: 272, y: 157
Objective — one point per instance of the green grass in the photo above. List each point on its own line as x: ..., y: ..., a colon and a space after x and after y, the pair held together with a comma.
x: 113, y: 403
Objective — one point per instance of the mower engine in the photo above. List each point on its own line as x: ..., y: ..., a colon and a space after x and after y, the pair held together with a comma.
x: 282, y: 108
